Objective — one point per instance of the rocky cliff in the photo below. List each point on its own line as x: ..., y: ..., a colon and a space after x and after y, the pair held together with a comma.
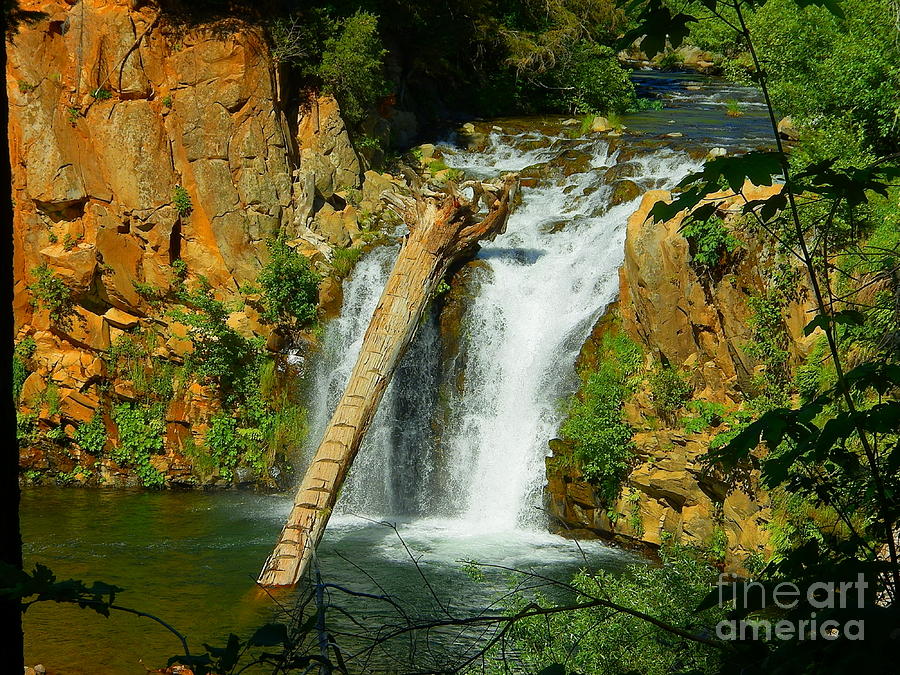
x: 700, y: 325
x: 148, y: 155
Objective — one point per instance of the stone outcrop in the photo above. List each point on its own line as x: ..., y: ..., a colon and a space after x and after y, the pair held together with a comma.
x: 137, y: 143
x: 699, y: 323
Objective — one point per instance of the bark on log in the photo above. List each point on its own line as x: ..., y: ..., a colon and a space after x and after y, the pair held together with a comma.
x: 444, y: 227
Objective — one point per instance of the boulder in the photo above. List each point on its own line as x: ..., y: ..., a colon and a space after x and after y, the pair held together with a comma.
x: 787, y: 130
x: 600, y: 124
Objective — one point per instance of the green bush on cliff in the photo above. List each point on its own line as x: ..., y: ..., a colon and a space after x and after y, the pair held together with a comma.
x: 709, y: 241
x: 267, y: 425
x: 231, y: 442
x: 221, y: 355
x: 595, y: 426
x: 141, y: 430
x: 289, y: 286
x: 51, y: 293
x: 22, y: 354
x: 352, y: 67
x: 670, y: 390
x: 91, y: 436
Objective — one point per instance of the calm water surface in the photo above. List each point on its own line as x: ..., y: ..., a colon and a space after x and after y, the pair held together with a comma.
x: 191, y: 559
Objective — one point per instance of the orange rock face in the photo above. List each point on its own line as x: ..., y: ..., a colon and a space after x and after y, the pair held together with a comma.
x: 699, y: 322
x: 113, y: 110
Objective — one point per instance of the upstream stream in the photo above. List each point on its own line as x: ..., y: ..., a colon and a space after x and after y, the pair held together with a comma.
x: 468, y: 487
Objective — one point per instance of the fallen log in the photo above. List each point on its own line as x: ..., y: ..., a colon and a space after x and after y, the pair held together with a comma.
x: 443, y: 228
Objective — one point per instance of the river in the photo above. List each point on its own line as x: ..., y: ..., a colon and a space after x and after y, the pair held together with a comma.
x: 470, y: 489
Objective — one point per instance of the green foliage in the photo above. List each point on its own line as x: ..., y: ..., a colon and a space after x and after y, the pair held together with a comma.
x: 769, y: 339
x: 101, y: 94
x: 221, y: 356
x: 594, y: 79
x: 289, y: 287
x: 670, y: 390
x: 706, y: 414
x: 229, y: 442
x: 836, y: 77
x: 633, y: 499
x: 733, y: 108
x: 50, y: 396
x: 182, y: 201
x: 22, y: 354
x: 130, y: 358
x: 352, y: 67
x: 344, y: 259
x: 27, y: 431
x: 710, y: 242
x: 267, y: 425
x: 141, y: 430
x: 147, y: 291
x: 601, y: 439
x: 91, y: 436
x: 670, y: 60
x: 51, y: 293
x: 58, y: 435
x: 718, y: 545
x: 602, y: 642
x: 812, y: 376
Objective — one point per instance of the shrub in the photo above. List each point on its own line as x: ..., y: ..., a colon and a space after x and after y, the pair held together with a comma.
x: 22, y: 354
x: 708, y: 414
x: 717, y: 547
x: 670, y: 390
x: 91, y: 436
x: 709, y: 242
x: 601, y: 438
x: 590, y: 79
x: 597, y: 641
x: 182, y: 201
x: 733, y: 108
x: 289, y: 286
x: 27, y: 431
x: 101, y: 94
x: 51, y: 293
x: 811, y: 377
x: 267, y: 424
x: 344, y: 259
x: 141, y: 430
x: 671, y: 61
x: 352, y: 67
x: 221, y: 354
x: 228, y: 442
x: 769, y: 338
x: 147, y: 291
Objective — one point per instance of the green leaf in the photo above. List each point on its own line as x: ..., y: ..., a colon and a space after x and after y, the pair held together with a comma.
x: 757, y: 167
x: 833, y: 6
x: 655, y: 25
x: 269, y: 635
x: 227, y: 656
x: 881, y: 377
x: 847, y: 317
x: 555, y: 669
x: 767, y: 208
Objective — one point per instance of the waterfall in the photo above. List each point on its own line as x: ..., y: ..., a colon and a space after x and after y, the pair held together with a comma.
x: 551, y: 275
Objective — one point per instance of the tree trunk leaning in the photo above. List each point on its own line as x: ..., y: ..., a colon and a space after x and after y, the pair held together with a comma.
x: 444, y: 227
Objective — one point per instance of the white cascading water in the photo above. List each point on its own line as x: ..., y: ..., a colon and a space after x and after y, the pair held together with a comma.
x: 551, y: 276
